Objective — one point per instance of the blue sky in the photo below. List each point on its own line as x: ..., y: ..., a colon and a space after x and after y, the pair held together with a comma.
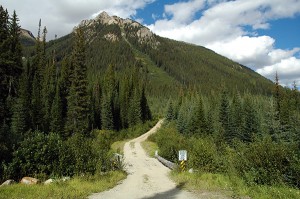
x: 261, y: 34
x: 286, y: 32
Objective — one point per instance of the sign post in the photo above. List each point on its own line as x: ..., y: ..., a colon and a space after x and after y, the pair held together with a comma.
x: 182, y: 157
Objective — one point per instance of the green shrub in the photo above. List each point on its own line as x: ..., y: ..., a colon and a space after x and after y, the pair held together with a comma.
x: 37, y: 154
x: 202, y: 154
x: 266, y: 162
x: 101, y: 148
x: 169, y: 142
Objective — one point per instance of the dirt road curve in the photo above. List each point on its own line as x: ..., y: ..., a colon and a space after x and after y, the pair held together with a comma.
x: 147, y: 178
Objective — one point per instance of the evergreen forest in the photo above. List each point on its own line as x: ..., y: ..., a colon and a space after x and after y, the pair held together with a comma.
x: 51, y: 112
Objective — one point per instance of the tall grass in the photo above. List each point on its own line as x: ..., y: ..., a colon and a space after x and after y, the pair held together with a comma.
x: 150, y: 147
x: 232, y: 186
x: 77, y: 187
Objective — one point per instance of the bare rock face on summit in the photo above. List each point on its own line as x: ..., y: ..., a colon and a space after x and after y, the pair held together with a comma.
x: 128, y: 28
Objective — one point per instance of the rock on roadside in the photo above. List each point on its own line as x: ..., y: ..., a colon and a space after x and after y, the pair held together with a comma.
x: 8, y: 182
x: 29, y: 180
x: 49, y: 181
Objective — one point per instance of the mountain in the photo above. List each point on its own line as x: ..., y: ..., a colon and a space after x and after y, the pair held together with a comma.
x: 170, y: 65
x: 27, y: 38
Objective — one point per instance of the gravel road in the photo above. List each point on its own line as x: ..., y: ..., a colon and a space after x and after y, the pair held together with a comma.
x: 147, y: 177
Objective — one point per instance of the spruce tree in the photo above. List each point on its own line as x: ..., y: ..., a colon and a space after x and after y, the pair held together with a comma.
x: 15, y: 54
x: 57, y: 120
x: 277, y: 96
x: 20, y: 119
x: 146, y: 113
x: 4, y: 59
x: 198, y: 123
x: 170, y: 112
x: 224, y: 116
x: 96, y: 105
x: 4, y: 67
x: 237, y: 116
x: 107, y: 118
x: 125, y: 93
x: 38, y: 65
x: 252, y: 125
x: 135, y: 111
x: 78, y: 99
x: 181, y: 120
x: 49, y: 91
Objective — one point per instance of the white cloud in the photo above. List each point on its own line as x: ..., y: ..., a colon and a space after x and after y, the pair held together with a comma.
x: 222, y: 29
x: 184, y: 11
x: 288, y: 70
x: 244, y: 48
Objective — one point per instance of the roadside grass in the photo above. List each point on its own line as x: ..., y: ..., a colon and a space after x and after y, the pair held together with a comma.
x: 77, y: 187
x: 150, y: 147
x: 231, y: 186
x: 118, y: 146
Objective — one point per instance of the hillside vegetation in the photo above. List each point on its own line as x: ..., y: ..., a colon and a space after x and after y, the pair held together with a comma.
x: 170, y: 65
x: 246, y: 145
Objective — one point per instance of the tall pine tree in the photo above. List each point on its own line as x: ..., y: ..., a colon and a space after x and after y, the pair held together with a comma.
x: 224, y: 116
x: 78, y: 99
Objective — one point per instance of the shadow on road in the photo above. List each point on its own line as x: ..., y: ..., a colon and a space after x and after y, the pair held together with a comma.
x: 167, y: 194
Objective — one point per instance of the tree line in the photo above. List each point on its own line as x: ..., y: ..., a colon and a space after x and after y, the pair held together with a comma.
x: 253, y: 137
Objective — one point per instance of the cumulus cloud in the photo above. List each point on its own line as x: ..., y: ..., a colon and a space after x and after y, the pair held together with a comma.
x: 288, y: 69
x: 222, y: 28
x: 184, y: 11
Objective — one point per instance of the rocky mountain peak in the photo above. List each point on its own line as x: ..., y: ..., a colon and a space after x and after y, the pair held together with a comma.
x: 129, y: 28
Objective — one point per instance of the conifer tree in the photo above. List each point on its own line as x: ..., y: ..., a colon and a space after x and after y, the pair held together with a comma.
x: 10, y: 71
x: 78, y: 99
x: 181, y: 120
x: 4, y: 67
x: 237, y: 121
x: 96, y: 105
x: 38, y: 65
x: 224, y: 116
x: 20, y: 120
x: 272, y: 122
x: 170, y: 112
x: 135, y: 111
x: 146, y: 113
x: 15, y: 54
x: 252, y: 125
x: 4, y: 59
x: 57, y: 120
x: 125, y: 93
x: 107, y: 118
x: 277, y: 95
x: 198, y: 124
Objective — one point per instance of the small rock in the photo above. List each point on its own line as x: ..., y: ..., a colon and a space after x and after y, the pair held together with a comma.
x: 191, y: 170
x: 49, y: 181
x: 29, y: 180
x: 8, y: 182
x: 64, y: 179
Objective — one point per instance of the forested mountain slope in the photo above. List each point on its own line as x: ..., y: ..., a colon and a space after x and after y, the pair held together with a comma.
x: 169, y: 65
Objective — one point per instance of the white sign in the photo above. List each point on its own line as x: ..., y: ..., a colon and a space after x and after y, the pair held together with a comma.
x: 182, y: 155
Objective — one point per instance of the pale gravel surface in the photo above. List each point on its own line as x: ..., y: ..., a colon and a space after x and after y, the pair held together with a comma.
x: 147, y: 177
